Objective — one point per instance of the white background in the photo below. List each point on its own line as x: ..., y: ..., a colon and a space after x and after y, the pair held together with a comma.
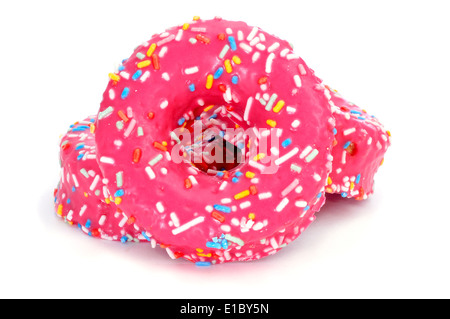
x: 391, y: 57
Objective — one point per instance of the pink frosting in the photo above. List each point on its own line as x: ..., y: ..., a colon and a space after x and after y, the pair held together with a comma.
x: 360, y: 146
x: 81, y: 197
x: 242, y: 214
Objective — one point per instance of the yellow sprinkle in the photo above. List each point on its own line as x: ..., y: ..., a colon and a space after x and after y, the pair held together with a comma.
x: 388, y: 133
x: 185, y: 26
x: 164, y: 143
x: 92, y: 128
x: 236, y: 59
x: 70, y: 223
x: 382, y: 161
x: 60, y: 210
x: 86, y: 194
x: 209, y: 81
x: 204, y: 255
x: 228, y: 66
x: 352, y: 185
x: 114, y: 77
x: 143, y: 64
x: 199, y: 250
x: 277, y: 108
x: 208, y: 108
x: 118, y: 201
x: 271, y: 123
x: 329, y: 181
x: 107, y: 201
x: 251, y: 216
x: 329, y: 190
x: 195, y: 18
x: 242, y: 194
x: 259, y: 156
x: 250, y: 174
x: 151, y: 49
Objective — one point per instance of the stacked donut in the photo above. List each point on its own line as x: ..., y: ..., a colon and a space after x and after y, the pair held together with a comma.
x: 216, y: 142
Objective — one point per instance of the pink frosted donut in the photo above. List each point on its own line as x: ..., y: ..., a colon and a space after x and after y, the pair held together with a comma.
x: 224, y: 75
x: 359, y: 148
x: 82, y: 198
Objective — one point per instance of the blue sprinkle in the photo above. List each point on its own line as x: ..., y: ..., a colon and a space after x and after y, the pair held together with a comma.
x: 145, y: 236
x: 73, y: 189
x: 92, y: 120
x: 222, y: 133
x: 124, y: 239
x: 235, y: 179
x: 355, y: 112
x: 124, y: 60
x: 80, y: 156
x: 203, y: 263
x: 306, y: 208
x: 125, y: 93
x: 238, y: 174
x: 181, y: 121
x: 223, y: 209
x: 71, y: 126
x: 211, y: 244
x: 319, y: 195
x: 215, y: 239
x: 286, y: 142
x: 240, y: 145
x: 68, y: 201
x: 361, y: 117
x: 344, y: 194
x: 218, y: 73
x: 80, y: 128
x: 334, y: 131
x: 137, y: 75
x: 235, y: 79
x: 213, y: 116
x: 232, y: 43
x: 358, y: 178
x: 79, y: 147
x: 192, y: 87
x: 224, y: 243
x: 79, y: 226
x: 347, y: 144
x: 119, y: 193
x: 88, y: 223
x: 220, y: 174
x: 121, y: 68
x: 198, y: 118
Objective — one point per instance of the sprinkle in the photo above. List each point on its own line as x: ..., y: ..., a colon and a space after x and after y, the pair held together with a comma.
x: 282, y: 205
x: 164, y: 104
x: 144, y: 64
x: 209, y: 81
x: 224, y: 51
x: 155, y: 160
x: 203, y: 263
x: 235, y: 79
x: 253, y: 190
x: 191, y: 70
x: 358, y: 178
x: 290, y: 187
x: 160, y: 146
x: 306, y: 151
x: 223, y: 209
x: 269, y: 62
x: 130, y: 128
x: 271, y: 123
x: 105, y: 113
x: 235, y: 240
x: 123, y: 116
x: 83, y: 210
x: 236, y: 59
x: 137, y: 75
x: 252, y: 34
x: 84, y: 173
x: 145, y: 76
x: 287, y: 156
x: 286, y: 142
x: 107, y: 160
x: 272, y: 100
x: 202, y: 38
x: 228, y: 66
x: 95, y: 182
x: 218, y: 72
x: 218, y: 216
x: 188, y: 225
x: 119, y: 179
x: 160, y: 207
x: 265, y: 195
x: 119, y: 193
x: 246, y: 47
x: 114, y: 77
x: 250, y: 174
x: 349, y: 131
x: 297, y: 81
x: 211, y: 244
x: 125, y: 93
x: 312, y: 155
x: 279, y: 106
x: 137, y: 153
x: 151, y: 49
x: 273, y: 47
x: 301, y: 69
x: 242, y: 194
x: 185, y: 26
x: 247, y: 108
x: 150, y: 172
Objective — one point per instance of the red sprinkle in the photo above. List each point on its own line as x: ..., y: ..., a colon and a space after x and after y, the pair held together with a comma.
x: 155, y: 60
x: 123, y: 116
x: 253, y: 190
x: 160, y: 147
x: 178, y: 254
x: 262, y: 80
x: 131, y: 220
x: 187, y: 183
x: 223, y: 87
x: 203, y: 39
x: 151, y: 115
x: 221, y: 36
x: 65, y: 146
x: 137, y: 154
x: 218, y: 216
x: 95, y: 233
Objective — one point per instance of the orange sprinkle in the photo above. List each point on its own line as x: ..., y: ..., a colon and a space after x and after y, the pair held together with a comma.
x: 253, y: 190
x: 202, y: 38
x: 159, y: 146
x: 151, y: 115
x: 187, y: 183
x: 137, y: 154
x: 223, y: 88
x: 221, y: 36
x: 131, y: 220
x: 123, y: 116
x: 262, y: 80
x: 156, y: 64
x: 218, y: 216
x: 206, y: 109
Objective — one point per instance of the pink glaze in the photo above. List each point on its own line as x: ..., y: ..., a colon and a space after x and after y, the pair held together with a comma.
x: 359, y: 149
x: 82, y: 198
x: 242, y: 214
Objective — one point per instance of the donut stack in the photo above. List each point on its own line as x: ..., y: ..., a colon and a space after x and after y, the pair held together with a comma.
x: 216, y: 142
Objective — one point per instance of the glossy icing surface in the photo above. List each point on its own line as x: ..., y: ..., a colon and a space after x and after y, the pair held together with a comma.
x: 246, y: 78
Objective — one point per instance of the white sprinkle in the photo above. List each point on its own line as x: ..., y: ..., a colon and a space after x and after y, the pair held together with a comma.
x: 225, y: 200
x: 179, y: 35
x: 209, y: 208
x: 301, y: 203
x: 255, y: 57
x: 175, y: 220
x: 170, y: 253
x: 317, y: 177
x: 247, y: 108
x: 245, y: 47
x: 198, y: 29
x: 95, y: 182
x: 165, y: 40
x: 188, y: 225
x: 301, y: 69
x: 286, y: 156
x: 269, y: 62
x: 274, y: 151
x: 165, y: 76
x: 260, y: 46
x: 150, y: 172
x: 298, y: 189
x: 262, y: 36
x: 254, y: 41
x: 191, y: 70
x: 102, y: 220
x: 83, y: 210
x: 349, y: 131
x: 245, y: 205
x: 252, y: 34
x: 75, y: 180
x: 240, y: 35
x: 164, y: 104
x: 273, y: 243
x: 312, y: 155
x: 369, y: 141
x: 225, y: 229
x: 290, y: 188
x: 145, y: 76
x: 273, y: 47
x: 223, y: 185
x: 130, y: 128
x: 258, y: 226
x: 123, y: 221
x: 125, y: 75
x: 284, y: 52
x: 290, y: 109
x: 229, y: 31
x: 295, y: 123
x: 306, y: 151
x: 265, y: 195
x: 160, y: 207
x: 297, y: 80
x: 257, y: 165
x: 112, y: 94
x: 282, y: 204
x: 291, y: 56
x: 162, y: 52
x: 193, y: 180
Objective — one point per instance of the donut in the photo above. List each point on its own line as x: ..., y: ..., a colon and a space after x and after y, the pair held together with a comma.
x: 359, y: 148
x: 82, y: 197
x: 197, y: 94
